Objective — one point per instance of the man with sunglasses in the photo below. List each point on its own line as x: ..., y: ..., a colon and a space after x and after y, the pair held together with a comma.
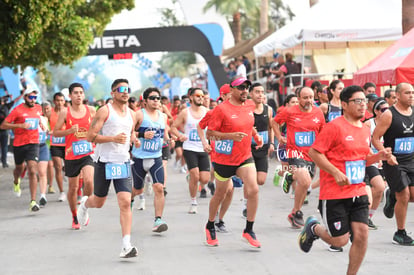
x: 76, y: 120
x: 197, y: 160
x: 396, y: 126
x: 24, y: 121
x: 112, y: 131
x: 342, y: 152
x: 151, y: 125
x: 231, y: 126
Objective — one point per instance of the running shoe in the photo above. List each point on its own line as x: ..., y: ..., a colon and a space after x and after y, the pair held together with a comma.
x: 335, y: 249
x: 193, y: 209
x: 129, y: 253
x: 183, y: 169
x: 287, y: 183
x: 159, y: 226
x: 371, y: 225
x: 306, y: 201
x: 42, y: 202
x: 389, y: 204
x: 83, y: 215
x: 307, y: 236
x: 141, y: 205
x: 33, y: 206
x: 17, y: 191
x: 165, y: 191
x: 221, y: 227
x: 244, y: 213
x: 276, y: 178
x: 211, y: 239
x: 203, y: 193
x: 62, y: 197
x: 296, y: 219
x: 212, y: 187
x: 75, y: 224
x: 402, y: 239
x: 50, y: 190
x: 251, y: 239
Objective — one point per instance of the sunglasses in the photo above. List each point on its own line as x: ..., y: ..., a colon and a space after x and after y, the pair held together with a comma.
x: 242, y: 87
x: 31, y: 97
x: 154, y: 97
x: 123, y: 89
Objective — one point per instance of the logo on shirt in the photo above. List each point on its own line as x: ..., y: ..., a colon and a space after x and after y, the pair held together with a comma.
x: 297, y: 119
x: 251, y: 113
x: 316, y: 120
x: 408, y: 129
x: 349, y: 138
x: 337, y: 226
x: 234, y: 116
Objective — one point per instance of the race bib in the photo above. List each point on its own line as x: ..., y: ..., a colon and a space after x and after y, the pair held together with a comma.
x: 333, y: 115
x: 224, y: 146
x: 33, y: 122
x: 58, y: 140
x: 115, y: 171
x: 304, y: 139
x: 81, y: 147
x: 404, y: 145
x: 264, y: 135
x: 42, y: 137
x: 193, y: 136
x: 151, y: 145
x: 355, y: 171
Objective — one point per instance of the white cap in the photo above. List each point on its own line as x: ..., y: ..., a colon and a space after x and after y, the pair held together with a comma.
x: 29, y: 91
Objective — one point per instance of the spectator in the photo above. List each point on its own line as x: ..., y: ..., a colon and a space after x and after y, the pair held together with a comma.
x: 241, y: 69
x: 369, y: 88
x: 390, y: 97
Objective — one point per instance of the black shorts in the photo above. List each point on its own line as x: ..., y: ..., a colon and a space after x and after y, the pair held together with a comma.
x: 74, y: 167
x: 370, y: 173
x: 141, y: 167
x: 166, y: 154
x: 295, y: 163
x: 101, y: 184
x: 399, y: 176
x: 57, y: 151
x: 338, y: 214
x: 25, y: 153
x: 197, y: 159
x: 178, y: 144
x: 224, y: 172
x: 262, y: 163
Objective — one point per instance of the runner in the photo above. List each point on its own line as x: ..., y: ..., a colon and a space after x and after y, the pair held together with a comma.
x: 112, y: 131
x: 303, y: 122
x: 24, y: 121
x: 231, y: 125
x: 197, y: 160
x: 333, y: 109
x: 342, y: 152
x: 396, y: 126
x: 44, y: 154
x: 77, y: 120
x: 152, y: 128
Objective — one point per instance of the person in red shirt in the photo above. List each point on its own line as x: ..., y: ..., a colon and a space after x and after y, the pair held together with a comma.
x: 342, y: 152
x: 231, y: 125
x: 24, y: 121
x: 77, y: 120
x: 304, y: 122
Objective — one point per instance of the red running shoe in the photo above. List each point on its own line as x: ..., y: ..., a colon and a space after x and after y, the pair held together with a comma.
x: 250, y: 238
x: 75, y: 224
x: 211, y: 239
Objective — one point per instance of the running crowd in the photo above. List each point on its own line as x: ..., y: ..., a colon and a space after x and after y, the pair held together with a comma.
x: 348, y: 142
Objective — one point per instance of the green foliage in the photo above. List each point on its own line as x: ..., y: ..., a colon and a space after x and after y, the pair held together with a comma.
x: 177, y: 63
x: 55, y: 31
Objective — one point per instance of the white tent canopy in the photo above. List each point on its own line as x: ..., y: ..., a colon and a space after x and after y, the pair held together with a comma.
x: 336, y: 21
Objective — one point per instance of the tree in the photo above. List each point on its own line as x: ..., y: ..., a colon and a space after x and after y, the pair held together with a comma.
x: 407, y: 15
x: 55, y: 31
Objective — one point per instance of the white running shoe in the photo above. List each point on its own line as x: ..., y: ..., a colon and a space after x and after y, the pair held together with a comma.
x: 62, y: 197
x: 193, y: 209
x: 141, y: 205
x: 83, y: 215
x: 129, y: 253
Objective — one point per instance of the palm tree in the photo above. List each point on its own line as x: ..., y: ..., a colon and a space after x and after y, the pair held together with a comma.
x: 264, y: 16
x: 407, y: 15
x: 233, y: 8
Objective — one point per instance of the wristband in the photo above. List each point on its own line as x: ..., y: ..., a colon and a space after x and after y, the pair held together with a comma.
x: 141, y: 134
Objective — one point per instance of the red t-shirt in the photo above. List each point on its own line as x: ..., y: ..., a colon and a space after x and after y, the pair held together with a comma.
x: 302, y: 130
x: 22, y: 114
x: 228, y: 118
x: 342, y: 143
x: 76, y: 144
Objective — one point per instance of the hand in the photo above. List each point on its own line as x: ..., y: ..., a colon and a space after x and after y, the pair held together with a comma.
x: 341, y: 179
x: 25, y: 125
x: 149, y: 134
x: 182, y: 138
x: 238, y: 136
x: 120, y: 138
x: 271, y: 149
x: 137, y: 143
x: 259, y: 141
x: 207, y: 148
x: 282, y: 140
x: 392, y: 160
x: 74, y: 128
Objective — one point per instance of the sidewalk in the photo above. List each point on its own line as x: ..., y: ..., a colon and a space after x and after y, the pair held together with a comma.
x: 44, y: 243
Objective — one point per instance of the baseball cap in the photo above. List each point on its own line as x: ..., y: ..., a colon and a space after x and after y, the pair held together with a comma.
x: 29, y: 91
x: 275, y: 55
x: 371, y: 97
x: 239, y: 81
x: 225, y: 89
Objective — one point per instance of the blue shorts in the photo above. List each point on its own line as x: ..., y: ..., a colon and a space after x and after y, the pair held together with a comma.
x: 141, y: 167
x: 44, y: 153
x: 101, y: 184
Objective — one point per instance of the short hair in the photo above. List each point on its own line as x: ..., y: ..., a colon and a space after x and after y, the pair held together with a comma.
x: 191, y: 91
x: 254, y: 85
x: 164, y: 97
x: 176, y: 98
x: 369, y: 85
x: 387, y: 93
x: 315, y: 84
x: 75, y: 85
x: 132, y: 99
x: 117, y: 81
x: 288, y: 98
x: 347, y: 92
x: 58, y: 94
x: 299, y: 90
x: 400, y: 86
x: 149, y: 90
x: 46, y: 103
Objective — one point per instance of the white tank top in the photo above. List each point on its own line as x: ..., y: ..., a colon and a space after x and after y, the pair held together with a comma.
x: 114, y: 125
x: 193, y: 142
